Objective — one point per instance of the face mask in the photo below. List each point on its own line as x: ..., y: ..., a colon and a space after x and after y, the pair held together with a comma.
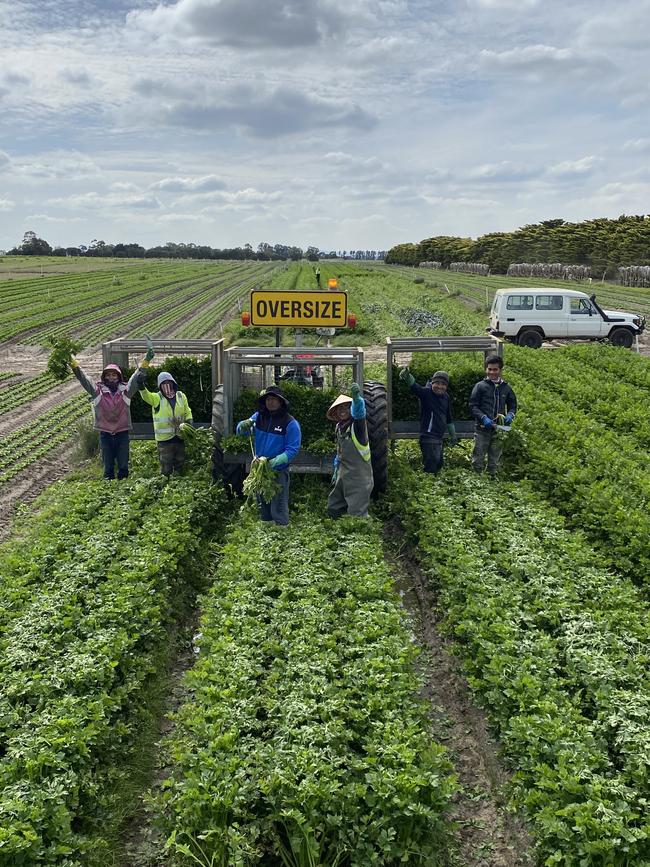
x: 168, y: 389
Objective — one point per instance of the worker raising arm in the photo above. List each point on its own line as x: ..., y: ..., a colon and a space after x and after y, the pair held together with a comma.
x: 353, y: 481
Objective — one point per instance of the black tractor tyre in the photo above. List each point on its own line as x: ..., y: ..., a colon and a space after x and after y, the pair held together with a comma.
x: 621, y: 337
x: 530, y: 338
x: 374, y: 394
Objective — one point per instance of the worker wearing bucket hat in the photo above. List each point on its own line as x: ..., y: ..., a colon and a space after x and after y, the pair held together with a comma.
x: 435, y: 416
x: 277, y: 438
x: 353, y: 481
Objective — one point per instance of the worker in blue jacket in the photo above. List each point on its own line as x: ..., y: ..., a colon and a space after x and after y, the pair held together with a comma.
x: 435, y: 416
x: 277, y: 438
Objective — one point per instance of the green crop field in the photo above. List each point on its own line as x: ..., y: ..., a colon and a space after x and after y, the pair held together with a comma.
x: 184, y: 684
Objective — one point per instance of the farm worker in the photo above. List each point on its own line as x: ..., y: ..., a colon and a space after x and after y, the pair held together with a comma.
x: 277, y: 438
x: 352, y: 477
x: 490, y: 398
x: 110, y: 400
x: 171, y: 415
x: 318, y: 276
x: 435, y: 417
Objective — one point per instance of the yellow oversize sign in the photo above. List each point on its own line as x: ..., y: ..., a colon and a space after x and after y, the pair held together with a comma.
x: 300, y: 309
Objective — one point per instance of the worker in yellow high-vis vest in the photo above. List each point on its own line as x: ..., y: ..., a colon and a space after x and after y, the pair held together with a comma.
x: 171, y: 416
x: 352, y: 479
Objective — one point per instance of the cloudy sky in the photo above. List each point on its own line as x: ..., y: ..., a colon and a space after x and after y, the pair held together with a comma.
x: 345, y: 124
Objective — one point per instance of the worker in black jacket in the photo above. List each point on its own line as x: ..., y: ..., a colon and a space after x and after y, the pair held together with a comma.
x: 435, y: 416
x: 492, y: 402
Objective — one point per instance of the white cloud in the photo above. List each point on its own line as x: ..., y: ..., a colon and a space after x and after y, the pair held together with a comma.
x: 239, y: 200
x: 543, y: 60
x: 621, y: 27
x: 574, y: 168
x: 7, y: 205
x: 181, y: 218
x: 207, y: 183
x: 125, y: 187
x: 59, y: 166
x: 637, y: 145
x: 505, y: 5
x: 503, y: 171
x: 48, y: 218
x: 353, y: 164
x: 5, y: 160
x: 94, y: 201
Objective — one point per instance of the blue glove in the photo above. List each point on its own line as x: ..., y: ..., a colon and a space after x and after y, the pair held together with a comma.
x: 486, y: 421
x: 245, y: 426
x: 279, y: 461
x: 358, y: 403
x: 509, y: 418
x: 406, y: 376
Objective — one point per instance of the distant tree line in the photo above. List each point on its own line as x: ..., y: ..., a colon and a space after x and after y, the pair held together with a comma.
x: 603, y: 245
x: 32, y: 245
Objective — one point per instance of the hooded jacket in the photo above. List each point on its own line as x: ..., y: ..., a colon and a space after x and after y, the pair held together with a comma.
x: 111, y: 407
x: 167, y: 414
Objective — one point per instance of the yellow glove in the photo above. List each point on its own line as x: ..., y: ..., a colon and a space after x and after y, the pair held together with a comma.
x: 144, y: 363
x: 74, y: 364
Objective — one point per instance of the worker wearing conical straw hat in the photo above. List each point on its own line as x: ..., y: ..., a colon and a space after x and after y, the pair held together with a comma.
x: 353, y: 481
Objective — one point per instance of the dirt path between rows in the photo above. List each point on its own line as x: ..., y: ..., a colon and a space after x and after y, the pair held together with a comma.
x: 488, y: 835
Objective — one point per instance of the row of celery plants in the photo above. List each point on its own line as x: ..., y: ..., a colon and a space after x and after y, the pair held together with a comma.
x: 590, y: 471
x: 582, y: 456
x: 303, y: 742
x: 84, y: 298
x: 144, y: 302
x: 26, y: 389
x: 88, y: 595
x: 31, y: 441
x: 212, y: 315
x: 583, y: 380
x: 557, y: 649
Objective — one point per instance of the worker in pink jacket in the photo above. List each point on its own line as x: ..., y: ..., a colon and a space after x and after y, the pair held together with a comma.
x: 110, y: 399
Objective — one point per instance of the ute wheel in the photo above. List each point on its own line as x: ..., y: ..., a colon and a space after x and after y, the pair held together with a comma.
x: 621, y: 337
x: 530, y: 338
x: 377, y: 418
